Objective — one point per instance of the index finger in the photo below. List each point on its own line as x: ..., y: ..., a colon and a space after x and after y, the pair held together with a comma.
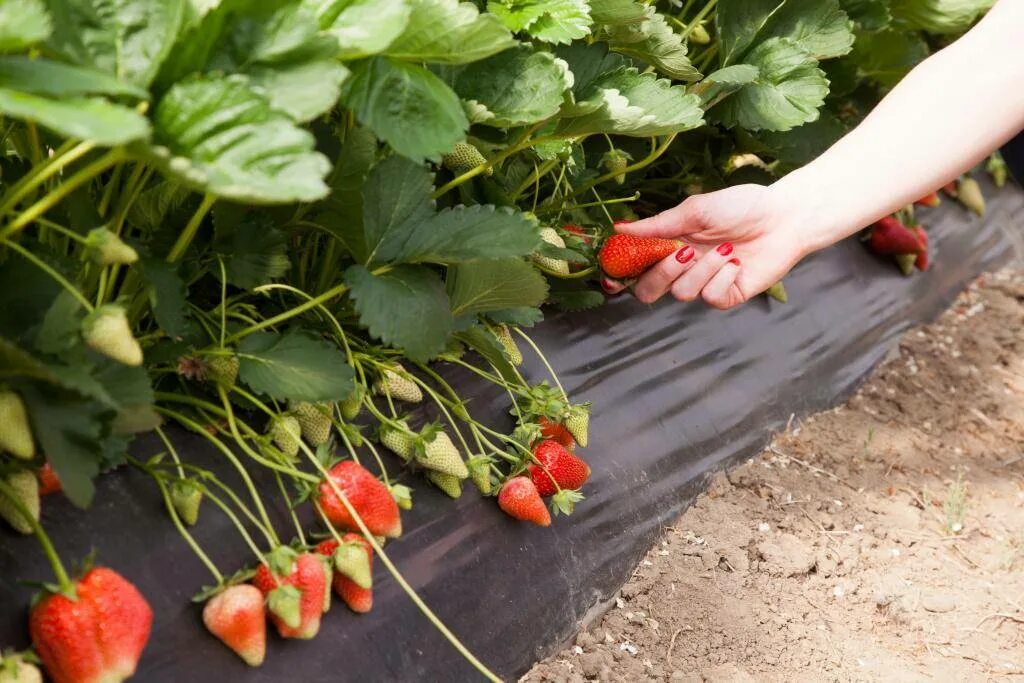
x: 683, y: 219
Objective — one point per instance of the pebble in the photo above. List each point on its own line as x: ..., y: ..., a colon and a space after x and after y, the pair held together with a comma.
x: 938, y: 602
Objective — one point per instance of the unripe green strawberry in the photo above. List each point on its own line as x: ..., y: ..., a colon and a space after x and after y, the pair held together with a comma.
x: 969, y: 194
x: 314, y: 421
x: 17, y: 669
x: 394, y: 383
x: 699, y: 35
x: 285, y: 432
x: 106, y: 330
x: 778, y: 292
x: 907, y: 263
x: 352, y: 561
x: 558, y: 266
x: 479, y: 467
x: 441, y: 455
x: 399, y: 440
x: 997, y: 168
x: 464, y: 157
x: 26, y: 488
x: 106, y: 248
x: 578, y: 423
x: 616, y: 161
x: 15, y: 432
x: 512, y: 352
x: 402, y: 495
x: 351, y: 406
x: 446, y: 482
x: 186, y: 495
x: 223, y: 370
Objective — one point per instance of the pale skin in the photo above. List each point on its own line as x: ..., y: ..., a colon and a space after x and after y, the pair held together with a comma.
x: 945, y: 117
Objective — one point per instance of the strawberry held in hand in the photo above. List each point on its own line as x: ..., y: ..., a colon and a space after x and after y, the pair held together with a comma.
x: 556, y: 468
x: 368, y: 496
x: 519, y: 499
x: 98, y: 635
x: 237, y: 616
x: 288, y: 573
x: 628, y: 256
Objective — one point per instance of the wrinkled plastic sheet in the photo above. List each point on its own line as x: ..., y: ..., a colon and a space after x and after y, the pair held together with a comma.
x: 679, y: 393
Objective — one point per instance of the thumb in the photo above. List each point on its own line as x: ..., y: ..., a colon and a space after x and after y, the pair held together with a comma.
x: 683, y: 219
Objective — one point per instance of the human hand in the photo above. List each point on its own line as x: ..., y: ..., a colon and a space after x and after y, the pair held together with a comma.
x: 739, y: 242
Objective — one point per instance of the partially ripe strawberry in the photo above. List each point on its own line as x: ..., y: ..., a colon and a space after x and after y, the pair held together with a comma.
x: 929, y: 200
x: 628, y: 256
x: 48, y: 481
x: 305, y: 573
x: 237, y: 616
x: 353, y: 580
x: 519, y: 499
x: 368, y: 496
x: 889, y: 237
x: 556, y: 431
x: 556, y: 465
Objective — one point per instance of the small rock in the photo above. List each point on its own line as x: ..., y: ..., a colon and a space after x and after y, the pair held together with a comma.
x: 591, y: 663
x: 938, y: 602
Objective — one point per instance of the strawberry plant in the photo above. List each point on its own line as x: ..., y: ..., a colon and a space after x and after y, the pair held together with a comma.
x: 279, y: 224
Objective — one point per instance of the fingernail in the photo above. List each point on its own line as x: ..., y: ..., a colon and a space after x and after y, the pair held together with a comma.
x: 735, y: 261
x: 685, y: 255
x: 610, y: 287
x: 725, y: 249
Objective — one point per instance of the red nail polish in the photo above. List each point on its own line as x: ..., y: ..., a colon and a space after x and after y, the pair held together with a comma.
x: 685, y: 255
x: 725, y: 249
x: 735, y: 261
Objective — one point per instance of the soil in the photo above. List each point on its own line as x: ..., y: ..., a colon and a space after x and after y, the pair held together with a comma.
x: 881, y: 540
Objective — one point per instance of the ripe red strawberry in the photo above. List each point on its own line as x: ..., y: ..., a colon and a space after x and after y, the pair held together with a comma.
x: 890, y: 237
x: 556, y: 431
x: 97, y: 637
x: 930, y: 200
x: 950, y: 189
x: 48, y: 481
x: 628, y: 256
x: 369, y: 497
x: 238, y: 618
x: 303, y: 572
x: 353, y: 585
x: 563, y: 468
x: 519, y: 499
x: 922, y: 257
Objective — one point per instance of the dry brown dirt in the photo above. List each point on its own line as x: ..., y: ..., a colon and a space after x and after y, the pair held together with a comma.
x: 879, y: 541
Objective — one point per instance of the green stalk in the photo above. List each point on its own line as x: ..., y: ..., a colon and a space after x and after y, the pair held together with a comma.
x: 56, y: 195
x: 42, y: 265
x: 66, y: 585
x: 519, y: 145
x: 189, y: 233
x: 68, y: 153
x: 656, y: 152
x: 543, y: 360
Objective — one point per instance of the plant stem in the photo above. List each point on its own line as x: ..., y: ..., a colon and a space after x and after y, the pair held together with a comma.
x: 68, y: 153
x: 543, y: 360
x: 66, y: 586
x: 656, y: 151
x: 63, y: 190
x: 189, y: 233
x: 42, y: 265
x: 519, y: 145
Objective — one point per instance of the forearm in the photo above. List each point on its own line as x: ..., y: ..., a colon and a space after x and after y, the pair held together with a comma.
x: 942, y: 119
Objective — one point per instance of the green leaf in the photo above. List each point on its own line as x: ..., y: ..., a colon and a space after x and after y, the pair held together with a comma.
x: 341, y: 212
x: 885, y: 57
x: 168, y: 296
x: 788, y: 92
x: 463, y: 233
x: 739, y: 22
x: 480, y: 339
x: 515, y: 88
x: 617, y: 12
x: 627, y: 102
x: 23, y: 23
x: 406, y: 106
x: 294, y: 366
x: 523, y: 316
x: 254, y: 252
x: 577, y: 300
x: 84, y: 118
x: 132, y: 393
x: 484, y: 286
x: 45, y: 77
x: 869, y: 15
x: 653, y: 41
x: 70, y: 430
x: 154, y: 203
x: 939, y: 16
x: 449, y: 32
x: 217, y: 135
x: 805, y: 143
x: 718, y: 85
x: 127, y: 38
x: 362, y: 27
x: 396, y: 195
x: 405, y: 307
x: 821, y: 28
x: 550, y: 21
x: 61, y: 326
